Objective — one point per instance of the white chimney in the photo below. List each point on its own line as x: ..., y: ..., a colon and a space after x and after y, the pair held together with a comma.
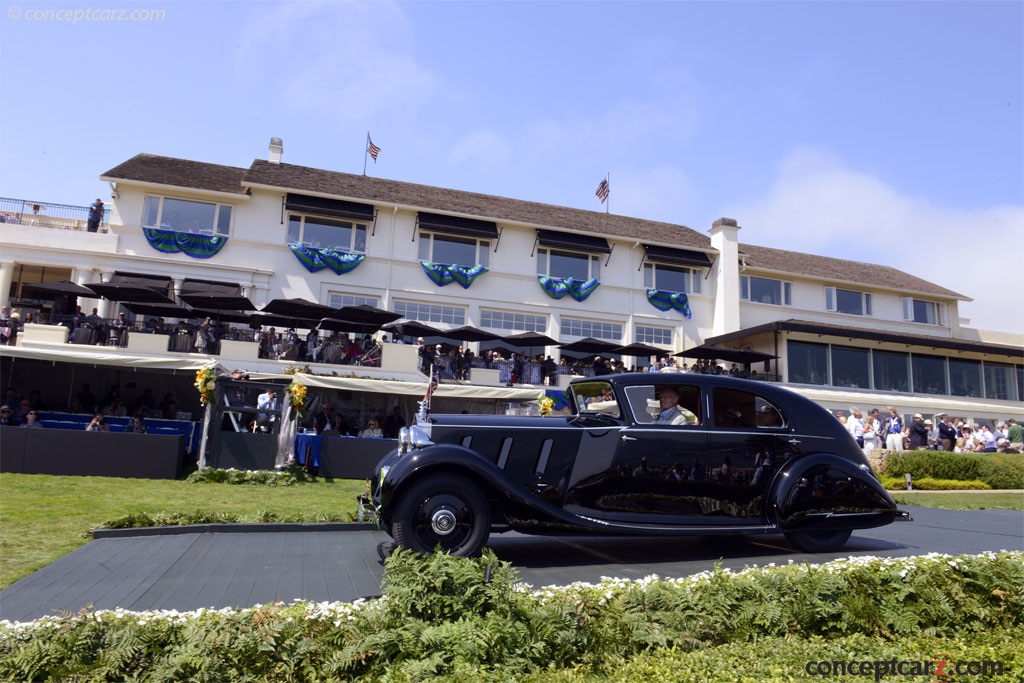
x: 276, y: 150
x: 726, y: 272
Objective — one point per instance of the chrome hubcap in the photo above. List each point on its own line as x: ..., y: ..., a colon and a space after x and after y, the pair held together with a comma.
x: 443, y: 522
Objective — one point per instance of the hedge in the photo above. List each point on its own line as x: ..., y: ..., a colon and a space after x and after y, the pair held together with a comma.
x: 998, y: 470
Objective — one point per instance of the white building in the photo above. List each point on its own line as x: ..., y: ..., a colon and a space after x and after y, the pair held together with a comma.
x: 843, y: 332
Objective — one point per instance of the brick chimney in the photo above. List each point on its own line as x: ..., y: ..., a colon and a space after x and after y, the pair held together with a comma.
x: 276, y: 150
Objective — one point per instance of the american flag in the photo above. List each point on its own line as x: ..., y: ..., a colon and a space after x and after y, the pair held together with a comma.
x: 602, y: 190
x: 373, y: 149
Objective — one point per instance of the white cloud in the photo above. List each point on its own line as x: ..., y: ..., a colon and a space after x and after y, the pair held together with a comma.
x: 817, y: 205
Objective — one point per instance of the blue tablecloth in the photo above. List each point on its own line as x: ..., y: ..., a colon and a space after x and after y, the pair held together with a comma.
x: 310, y: 443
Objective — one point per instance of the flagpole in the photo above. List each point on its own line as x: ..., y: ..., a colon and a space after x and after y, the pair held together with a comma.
x: 366, y: 151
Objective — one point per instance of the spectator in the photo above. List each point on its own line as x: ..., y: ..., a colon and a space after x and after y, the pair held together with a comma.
x: 394, y: 423
x: 988, y: 440
x: 7, y: 418
x: 894, y: 431
x: 1015, y: 435
x: 115, y: 408
x: 947, y: 434
x: 372, y: 431
x: 871, y: 436
x: 918, y: 433
x: 24, y: 406
x: 87, y: 399
x: 32, y: 420
x: 97, y: 424
x: 35, y: 399
x: 96, y: 211
x: 138, y: 426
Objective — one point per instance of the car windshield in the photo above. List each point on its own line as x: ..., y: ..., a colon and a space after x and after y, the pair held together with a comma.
x: 595, y: 397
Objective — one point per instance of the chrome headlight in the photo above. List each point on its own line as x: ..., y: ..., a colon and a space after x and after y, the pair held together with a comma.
x: 382, y: 476
x: 419, y: 437
x: 404, y: 442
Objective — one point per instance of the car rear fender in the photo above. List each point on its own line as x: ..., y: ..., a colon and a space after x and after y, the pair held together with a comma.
x: 821, y: 491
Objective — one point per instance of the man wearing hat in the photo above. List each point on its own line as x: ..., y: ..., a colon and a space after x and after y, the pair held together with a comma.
x: 918, y: 433
x: 7, y: 418
x: 947, y: 433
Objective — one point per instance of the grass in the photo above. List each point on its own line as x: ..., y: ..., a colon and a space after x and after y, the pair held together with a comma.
x: 43, y: 518
x: 960, y: 500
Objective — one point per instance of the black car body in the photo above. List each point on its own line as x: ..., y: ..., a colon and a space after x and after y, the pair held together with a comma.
x: 745, y: 457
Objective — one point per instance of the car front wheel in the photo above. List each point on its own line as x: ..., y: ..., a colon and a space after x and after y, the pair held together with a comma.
x: 819, y: 541
x: 446, y: 511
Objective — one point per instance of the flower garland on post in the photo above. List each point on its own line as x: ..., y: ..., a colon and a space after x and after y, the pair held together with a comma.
x: 206, y: 383
x: 297, y: 399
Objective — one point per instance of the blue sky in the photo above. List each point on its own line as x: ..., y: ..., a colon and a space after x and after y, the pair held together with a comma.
x: 889, y: 132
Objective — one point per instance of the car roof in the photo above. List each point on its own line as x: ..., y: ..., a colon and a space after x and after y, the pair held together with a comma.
x: 766, y: 389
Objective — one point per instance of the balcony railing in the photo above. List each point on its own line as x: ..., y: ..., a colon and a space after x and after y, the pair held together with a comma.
x: 48, y: 214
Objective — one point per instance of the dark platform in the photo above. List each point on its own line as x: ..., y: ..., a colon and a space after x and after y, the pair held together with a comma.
x: 246, y: 565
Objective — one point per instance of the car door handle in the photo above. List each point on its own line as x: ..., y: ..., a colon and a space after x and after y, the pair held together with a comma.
x: 794, y: 442
x: 627, y: 437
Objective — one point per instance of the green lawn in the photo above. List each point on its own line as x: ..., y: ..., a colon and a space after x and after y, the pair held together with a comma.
x: 42, y: 518
x: 961, y: 500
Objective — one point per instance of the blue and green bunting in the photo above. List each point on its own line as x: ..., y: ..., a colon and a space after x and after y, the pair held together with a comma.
x: 191, y: 244
x: 560, y: 398
x: 557, y: 287
x: 442, y: 274
x: 663, y: 301
x: 314, y: 259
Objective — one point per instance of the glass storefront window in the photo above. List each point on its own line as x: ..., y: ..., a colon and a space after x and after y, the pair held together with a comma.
x: 851, y: 367
x: 892, y: 371
x: 965, y: 377
x: 929, y: 374
x: 808, y: 363
x: 1000, y: 382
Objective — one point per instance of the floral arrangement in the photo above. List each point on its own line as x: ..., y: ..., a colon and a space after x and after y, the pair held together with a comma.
x: 297, y: 398
x: 206, y: 384
x: 546, y: 404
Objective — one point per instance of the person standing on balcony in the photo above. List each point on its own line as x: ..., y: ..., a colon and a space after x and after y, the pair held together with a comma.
x: 95, y: 215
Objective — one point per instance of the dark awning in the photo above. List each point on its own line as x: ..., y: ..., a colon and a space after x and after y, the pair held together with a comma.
x: 457, y: 225
x: 574, y: 242
x: 322, y: 206
x: 677, y: 257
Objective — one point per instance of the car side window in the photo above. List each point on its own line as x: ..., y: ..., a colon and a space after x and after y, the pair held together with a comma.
x: 679, y: 405
x: 596, y: 397
x: 743, y: 409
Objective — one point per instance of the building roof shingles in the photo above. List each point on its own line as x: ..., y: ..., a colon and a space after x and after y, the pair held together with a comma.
x: 198, y: 175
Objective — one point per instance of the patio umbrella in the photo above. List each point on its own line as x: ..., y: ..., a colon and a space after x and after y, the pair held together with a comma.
x: 413, y: 328
x: 61, y: 288
x: 218, y: 302
x: 281, y: 321
x: 590, y: 345
x: 468, y: 333
x: 299, y: 308
x: 638, y: 350
x: 347, y: 326
x: 129, y: 293
x: 731, y: 355
x: 365, y: 315
x: 160, y: 310
x: 222, y: 316
x: 530, y: 339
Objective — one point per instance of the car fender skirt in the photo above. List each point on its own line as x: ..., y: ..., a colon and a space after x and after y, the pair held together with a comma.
x: 823, y: 491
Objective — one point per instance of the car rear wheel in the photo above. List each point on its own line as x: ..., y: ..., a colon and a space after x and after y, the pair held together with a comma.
x: 446, y: 511
x: 819, y: 541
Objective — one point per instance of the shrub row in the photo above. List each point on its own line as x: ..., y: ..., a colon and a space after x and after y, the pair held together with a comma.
x: 998, y: 470
x: 284, y: 477
x: 929, y: 484
x: 470, y: 620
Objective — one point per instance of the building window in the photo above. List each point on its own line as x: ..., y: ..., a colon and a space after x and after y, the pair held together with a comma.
x: 929, y: 374
x: 999, y: 382
x: 847, y: 301
x: 318, y: 232
x: 453, y: 250
x: 183, y: 215
x: 965, y: 377
x: 673, y: 278
x: 574, y: 327
x: 517, y: 322
x: 341, y: 300
x: 566, y: 264
x: 892, y: 371
x: 808, y: 363
x: 851, y: 367
x: 654, y: 335
x: 431, y: 313
x: 764, y: 291
x: 927, y: 312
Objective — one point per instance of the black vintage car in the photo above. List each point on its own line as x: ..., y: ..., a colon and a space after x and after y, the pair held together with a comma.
x: 653, y: 454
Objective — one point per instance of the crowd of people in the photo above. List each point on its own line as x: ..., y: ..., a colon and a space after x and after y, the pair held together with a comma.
x: 892, y: 433
x: 24, y: 411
